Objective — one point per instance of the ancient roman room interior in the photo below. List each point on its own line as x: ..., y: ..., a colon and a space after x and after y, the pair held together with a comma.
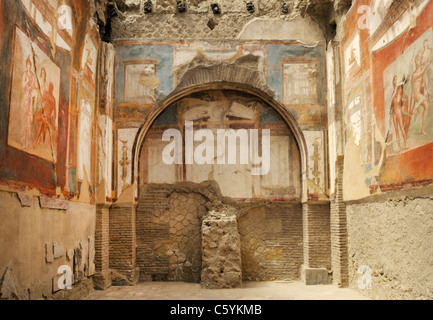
x: 216, y: 142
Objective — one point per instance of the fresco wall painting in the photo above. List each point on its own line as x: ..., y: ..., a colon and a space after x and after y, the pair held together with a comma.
x: 51, y: 95
x: 141, y: 80
x: 215, y: 110
x: 404, y: 72
x: 407, y: 91
x: 387, y: 102
x: 125, y: 144
x: 142, y: 77
x: 34, y: 106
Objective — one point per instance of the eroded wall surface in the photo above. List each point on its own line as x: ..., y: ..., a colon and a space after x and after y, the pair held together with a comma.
x: 37, y: 241
x: 393, y: 238
x: 231, y: 20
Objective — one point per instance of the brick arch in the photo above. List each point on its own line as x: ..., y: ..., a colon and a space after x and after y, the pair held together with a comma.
x: 224, y: 76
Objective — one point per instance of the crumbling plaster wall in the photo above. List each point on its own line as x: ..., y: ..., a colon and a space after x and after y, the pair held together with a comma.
x: 233, y: 21
x: 37, y: 241
x: 393, y: 238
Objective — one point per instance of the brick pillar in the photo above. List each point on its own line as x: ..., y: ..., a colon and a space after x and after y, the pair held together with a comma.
x: 339, y: 242
x: 317, y: 242
x: 102, y: 278
x: 123, y: 239
x: 306, y: 235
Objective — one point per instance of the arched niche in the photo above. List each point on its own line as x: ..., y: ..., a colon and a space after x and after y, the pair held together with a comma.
x: 191, y: 90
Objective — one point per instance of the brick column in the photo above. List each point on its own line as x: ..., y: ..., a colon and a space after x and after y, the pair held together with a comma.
x: 123, y: 239
x: 339, y: 242
x: 317, y: 242
x: 102, y: 278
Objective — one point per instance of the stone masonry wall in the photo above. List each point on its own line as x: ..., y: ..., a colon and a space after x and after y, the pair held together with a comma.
x: 169, y: 239
x: 222, y: 265
x: 169, y: 235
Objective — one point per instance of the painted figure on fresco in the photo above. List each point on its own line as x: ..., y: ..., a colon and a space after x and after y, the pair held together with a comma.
x: 399, y: 104
x: 407, y: 88
x: 34, y: 100
x: 419, y: 96
x: 353, y: 61
x: 426, y: 59
x: 43, y: 81
x: 46, y: 117
x: 30, y: 92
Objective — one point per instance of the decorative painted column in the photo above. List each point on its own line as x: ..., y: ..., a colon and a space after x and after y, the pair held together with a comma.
x: 104, y: 165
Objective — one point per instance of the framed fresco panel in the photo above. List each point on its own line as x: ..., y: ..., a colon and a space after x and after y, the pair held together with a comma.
x: 34, y: 106
x: 140, y: 82
x: 408, y: 84
x: 300, y: 82
x: 125, y: 144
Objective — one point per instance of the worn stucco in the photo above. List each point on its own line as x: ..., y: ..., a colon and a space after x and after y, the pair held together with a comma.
x: 24, y: 233
x: 393, y: 238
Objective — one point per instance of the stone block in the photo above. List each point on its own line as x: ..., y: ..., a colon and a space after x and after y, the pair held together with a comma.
x: 25, y: 199
x: 59, y: 250
x: 70, y: 254
x: 221, y: 260
x: 50, y: 203
x: 317, y: 276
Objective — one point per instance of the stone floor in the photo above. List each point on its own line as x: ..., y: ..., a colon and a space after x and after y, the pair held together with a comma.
x: 278, y: 290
